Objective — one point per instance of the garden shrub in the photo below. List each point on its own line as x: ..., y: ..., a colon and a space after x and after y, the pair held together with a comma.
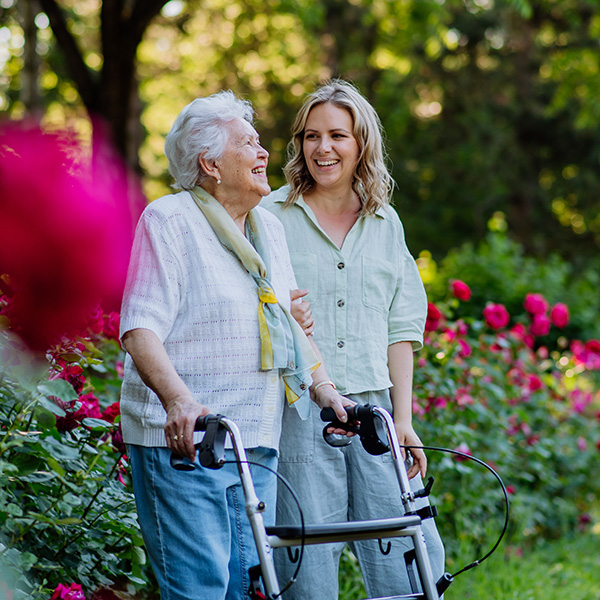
x: 498, y: 269
x: 488, y: 387
x: 67, y: 514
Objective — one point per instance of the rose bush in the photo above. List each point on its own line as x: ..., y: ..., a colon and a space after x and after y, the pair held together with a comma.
x: 486, y: 386
x: 68, y: 525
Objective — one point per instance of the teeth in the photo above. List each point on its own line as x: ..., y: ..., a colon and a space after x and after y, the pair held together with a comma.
x: 327, y: 163
x: 258, y: 170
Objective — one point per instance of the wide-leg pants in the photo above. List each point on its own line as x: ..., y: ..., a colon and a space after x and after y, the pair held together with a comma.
x: 341, y: 484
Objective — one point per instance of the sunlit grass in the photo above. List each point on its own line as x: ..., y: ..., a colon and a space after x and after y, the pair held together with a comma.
x: 566, y: 568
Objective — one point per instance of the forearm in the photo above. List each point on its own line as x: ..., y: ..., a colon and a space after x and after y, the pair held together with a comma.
x: 154, y: 366
x: 400, y: 365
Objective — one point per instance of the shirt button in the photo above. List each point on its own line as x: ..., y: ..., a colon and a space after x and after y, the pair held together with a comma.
x: 340, y: 344
x: 340, y: 265
x: 340, y: 303
x: 302, y: 386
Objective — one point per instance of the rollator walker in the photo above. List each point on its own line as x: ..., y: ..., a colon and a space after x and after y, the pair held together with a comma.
x: 375, y: 427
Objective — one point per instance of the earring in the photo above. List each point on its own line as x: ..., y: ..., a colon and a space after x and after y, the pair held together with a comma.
x: 218, y: 182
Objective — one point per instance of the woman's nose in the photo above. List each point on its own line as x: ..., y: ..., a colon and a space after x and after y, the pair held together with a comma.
x: 262, y: 152
x: 325, y: 144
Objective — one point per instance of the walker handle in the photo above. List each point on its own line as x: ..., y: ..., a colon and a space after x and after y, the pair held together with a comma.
x: 211, y: 449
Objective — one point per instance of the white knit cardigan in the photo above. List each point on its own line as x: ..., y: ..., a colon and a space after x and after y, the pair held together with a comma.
x: 202, y: 304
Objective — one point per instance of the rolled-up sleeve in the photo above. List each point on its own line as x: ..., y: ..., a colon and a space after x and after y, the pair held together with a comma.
x: 408, y: 311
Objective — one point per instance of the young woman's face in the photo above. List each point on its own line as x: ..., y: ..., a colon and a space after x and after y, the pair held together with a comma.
x: 329, y: 146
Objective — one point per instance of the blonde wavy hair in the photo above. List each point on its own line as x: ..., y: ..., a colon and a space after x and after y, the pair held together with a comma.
x: 372, y: 181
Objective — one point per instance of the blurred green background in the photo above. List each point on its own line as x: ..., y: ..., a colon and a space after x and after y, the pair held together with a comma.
x: 489, y: 106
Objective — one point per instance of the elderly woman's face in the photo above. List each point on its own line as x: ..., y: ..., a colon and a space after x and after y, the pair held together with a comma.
x: 243, y: 166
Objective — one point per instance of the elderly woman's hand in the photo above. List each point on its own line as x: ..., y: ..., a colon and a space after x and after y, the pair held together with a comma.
x: 301, y: 311
x: 182, y: 414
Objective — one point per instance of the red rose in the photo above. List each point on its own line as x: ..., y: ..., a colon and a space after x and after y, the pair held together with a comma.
x: 540, y: 325
x: 460, y: 290
x: 111, y: 413
x: 72, y: 592
x: 433, y: 317
x: 496, y: 316
x: 593, y: 346
x: 535, y: 304
x: 559, y: 315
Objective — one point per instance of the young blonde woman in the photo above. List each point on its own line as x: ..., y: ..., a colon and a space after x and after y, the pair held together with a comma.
x: 369, y: 306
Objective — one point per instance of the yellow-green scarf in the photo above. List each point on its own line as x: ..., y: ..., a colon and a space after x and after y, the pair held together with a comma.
x: 283, y: 343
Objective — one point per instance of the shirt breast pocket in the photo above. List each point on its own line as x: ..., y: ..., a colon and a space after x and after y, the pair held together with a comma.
x: 306, y: 270
x: 379, y: 279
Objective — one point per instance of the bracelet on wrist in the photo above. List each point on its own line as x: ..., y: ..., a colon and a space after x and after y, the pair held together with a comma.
x: 322, y: 383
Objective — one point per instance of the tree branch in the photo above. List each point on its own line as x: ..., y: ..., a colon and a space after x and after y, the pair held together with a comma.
x: 76, y: 66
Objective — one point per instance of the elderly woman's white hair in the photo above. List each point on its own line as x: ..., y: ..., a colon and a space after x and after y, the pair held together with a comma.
x: 199, y: 129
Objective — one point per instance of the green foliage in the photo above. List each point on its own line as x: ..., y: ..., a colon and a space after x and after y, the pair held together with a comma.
x: 66, y: 507
x: 530, y: 414
x: 487, y: 106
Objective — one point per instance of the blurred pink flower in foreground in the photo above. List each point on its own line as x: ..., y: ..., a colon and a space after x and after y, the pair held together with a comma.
x: 496, y: 316
x: 535, y: 304
x: 65, y: 231
x: 559, y: 315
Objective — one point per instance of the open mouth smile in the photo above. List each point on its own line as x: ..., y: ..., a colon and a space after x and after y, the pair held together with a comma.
x: 259, y: 170
x: 327, y: 163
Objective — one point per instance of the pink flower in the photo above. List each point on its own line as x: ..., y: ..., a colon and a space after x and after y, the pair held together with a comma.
x: 112, y: 412
x: 460, y: 289
x: 72, y: 592
x: 496, y: 316
x: 535, y: 304
x: 593, y: 346
x: 464, y: 449
x: 510, y: 490
x: 534, y: 383
x: 465, y: 349
x: 582, y: 444
x: 112, y: 322
x: 559, y: 315
x: 433, y: 317
x: 540, y: 325
x: 65, y: 231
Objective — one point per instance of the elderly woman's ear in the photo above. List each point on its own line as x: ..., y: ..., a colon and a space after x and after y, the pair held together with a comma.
x: 209, y: 167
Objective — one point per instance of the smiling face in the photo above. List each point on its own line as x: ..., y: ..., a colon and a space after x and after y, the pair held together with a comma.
x: 243, y: 167
x: 330, y: 149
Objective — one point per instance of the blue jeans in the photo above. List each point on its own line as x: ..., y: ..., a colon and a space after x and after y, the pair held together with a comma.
x: 197, y: 534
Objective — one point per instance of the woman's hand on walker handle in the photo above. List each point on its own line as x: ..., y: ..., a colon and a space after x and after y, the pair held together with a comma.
x: 326, y: 395
x: 301, y: 311
x: 408, y: 437
x: 182, y: 414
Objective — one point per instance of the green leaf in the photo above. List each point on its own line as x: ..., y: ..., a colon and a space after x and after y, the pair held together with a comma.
x: 59, y: 388
x: 50, y: 406
x: 97, y: 424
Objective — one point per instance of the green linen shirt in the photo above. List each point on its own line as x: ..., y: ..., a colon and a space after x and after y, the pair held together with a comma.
x: 364, y: 296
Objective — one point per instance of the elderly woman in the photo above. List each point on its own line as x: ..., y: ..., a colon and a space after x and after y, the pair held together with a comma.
x: 368, y: 302
x: 206, y: 325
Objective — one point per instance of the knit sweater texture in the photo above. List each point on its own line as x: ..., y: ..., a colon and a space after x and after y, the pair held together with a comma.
x: 195, y: 295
